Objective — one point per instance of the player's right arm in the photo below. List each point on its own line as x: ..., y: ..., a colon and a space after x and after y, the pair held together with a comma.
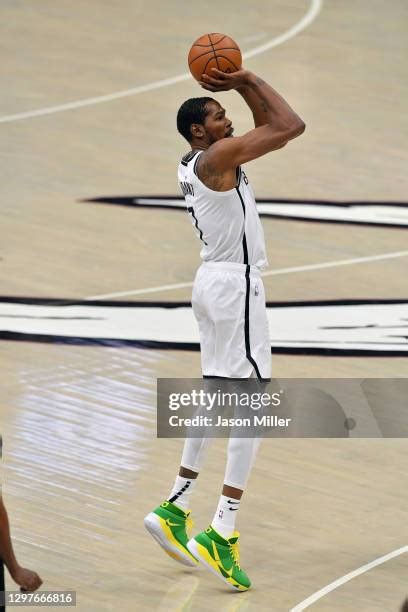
x: 275, y: 121
x: 27, y: 579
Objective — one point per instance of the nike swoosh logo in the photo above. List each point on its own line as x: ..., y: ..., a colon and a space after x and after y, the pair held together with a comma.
x: 218, y: 561
x: 233, y: 502
x: 233, y: 509
x: 170, y: 524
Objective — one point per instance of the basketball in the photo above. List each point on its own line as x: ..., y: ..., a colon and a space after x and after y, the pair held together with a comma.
x: 213, y: 51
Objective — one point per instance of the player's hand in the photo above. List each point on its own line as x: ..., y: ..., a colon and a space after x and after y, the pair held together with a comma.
x: 26, y: 579
x: 223, y: 81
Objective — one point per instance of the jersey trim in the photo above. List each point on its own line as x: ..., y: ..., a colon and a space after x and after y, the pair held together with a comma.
x: 191, y: 210
x: 195, y: 167
x: 213, y: 192
x: 188, y: 157
x: 244, y: 242
x: 247, y: 339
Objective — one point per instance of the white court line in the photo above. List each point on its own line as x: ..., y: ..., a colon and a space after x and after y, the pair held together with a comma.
x: 140, y: 291
x: 346, y: 578
x: 319, y: 266
x: 314, y: 9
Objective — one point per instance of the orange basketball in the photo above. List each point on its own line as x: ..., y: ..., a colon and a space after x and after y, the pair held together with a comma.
x: 214, y: 51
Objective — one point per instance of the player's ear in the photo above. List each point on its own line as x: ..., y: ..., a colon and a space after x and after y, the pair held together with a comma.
x: 197, y: 130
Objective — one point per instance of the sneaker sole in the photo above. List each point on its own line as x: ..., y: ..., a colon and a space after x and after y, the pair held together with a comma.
x: 175, y: 551
x: 200, y: 552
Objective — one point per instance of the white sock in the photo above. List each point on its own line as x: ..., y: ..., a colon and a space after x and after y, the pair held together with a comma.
x: 225, y: 516
x: 181, y: 491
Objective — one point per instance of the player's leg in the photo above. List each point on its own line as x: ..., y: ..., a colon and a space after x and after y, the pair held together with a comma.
x: 258, y: 339
x: 217, y: 546
x: 240, y: 460
x: 247, y: 334
x: 169, y: 522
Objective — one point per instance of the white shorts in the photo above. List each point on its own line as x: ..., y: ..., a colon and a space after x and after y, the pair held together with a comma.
x: 229, y: 304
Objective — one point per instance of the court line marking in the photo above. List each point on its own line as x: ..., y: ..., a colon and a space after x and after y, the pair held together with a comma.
x: 304, y: 22
x: 346, y: 578
x: 319, y: 266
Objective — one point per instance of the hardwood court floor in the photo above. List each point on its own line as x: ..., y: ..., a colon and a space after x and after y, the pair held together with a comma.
x: 82, y: 464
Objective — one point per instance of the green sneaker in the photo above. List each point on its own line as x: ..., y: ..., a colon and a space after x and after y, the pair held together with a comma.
x: 221, y: 557
x: 168, y: 525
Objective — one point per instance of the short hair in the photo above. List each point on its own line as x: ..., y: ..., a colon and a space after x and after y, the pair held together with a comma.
x: 192, y: 111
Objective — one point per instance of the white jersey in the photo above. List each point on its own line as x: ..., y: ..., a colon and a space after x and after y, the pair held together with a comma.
x: 227, y: 222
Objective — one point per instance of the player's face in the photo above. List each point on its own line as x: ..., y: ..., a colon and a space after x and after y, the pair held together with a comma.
x: 216, y: 124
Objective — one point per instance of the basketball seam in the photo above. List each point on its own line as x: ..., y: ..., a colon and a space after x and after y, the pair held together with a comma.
x: 202, y: 54
x: 206, y: 53
x: 214, y: 33
x: 228, y: 60
x: 205, y: 67
x: 222, y: 48
x: 215, y: 55
x: 202, y: 45
x: 212, y: 58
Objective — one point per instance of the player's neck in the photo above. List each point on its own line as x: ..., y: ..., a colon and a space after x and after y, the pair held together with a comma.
x: 199, y: 146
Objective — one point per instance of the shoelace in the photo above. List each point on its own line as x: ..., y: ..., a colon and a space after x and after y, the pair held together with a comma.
x: 234, y: 548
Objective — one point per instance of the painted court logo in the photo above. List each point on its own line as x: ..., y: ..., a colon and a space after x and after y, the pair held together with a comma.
x: 381, y: 213
x: 347, y: 327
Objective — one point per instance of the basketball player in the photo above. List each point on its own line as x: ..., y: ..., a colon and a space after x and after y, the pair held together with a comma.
x: 228, y: 298
x: 25, y: 578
